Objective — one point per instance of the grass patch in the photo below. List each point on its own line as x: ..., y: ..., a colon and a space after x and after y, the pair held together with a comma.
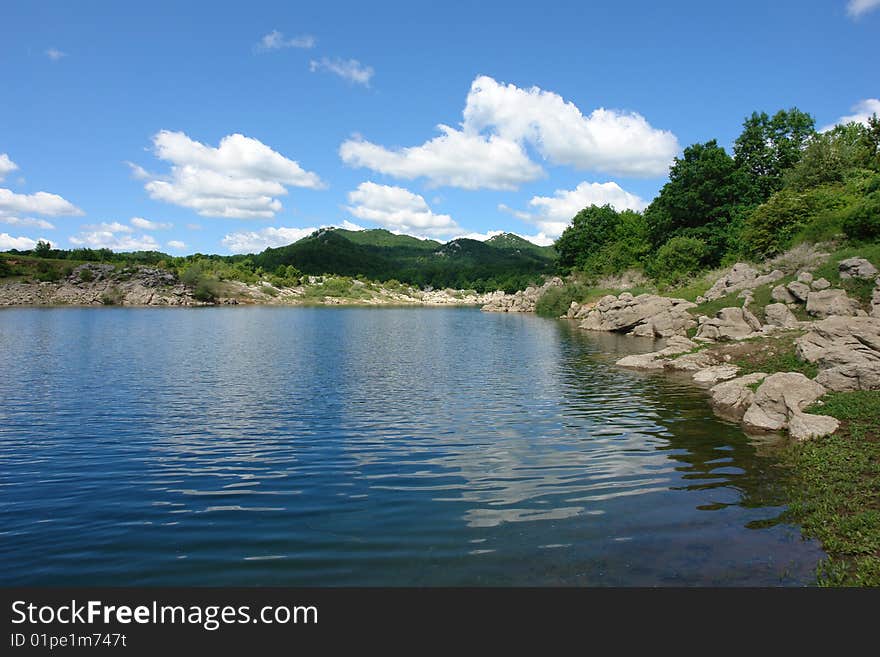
x: 337, y: 287
x: 773, y: 355
x: 836, y: 489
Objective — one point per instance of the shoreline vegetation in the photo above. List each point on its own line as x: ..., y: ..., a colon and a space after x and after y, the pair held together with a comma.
x: 760, y: 270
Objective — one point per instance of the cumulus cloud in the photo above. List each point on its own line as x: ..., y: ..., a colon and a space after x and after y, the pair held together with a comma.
x: 455, y: 159
x: 552, y: 214
x: 258, y: 240
x: 6, y: 165
x: 500, y: 120
x: 239, y: 179
x: 109, y: 239
x: 856, y: 8
x: 27, y: 221
x: 177, y: 245
x: 348, y: 69
x: 399, y: 209
x: 861, y: 112
x: 54, y: 54
x: 146, y: 224
x: 40, y: 203
x: 7, y: 242
x: 111, y: 227
x: 276, y: 40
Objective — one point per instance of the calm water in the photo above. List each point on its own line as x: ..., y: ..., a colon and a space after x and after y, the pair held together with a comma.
x: 334, y: 446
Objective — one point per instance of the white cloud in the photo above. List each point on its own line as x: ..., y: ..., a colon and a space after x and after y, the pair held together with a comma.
x: 500, y: 120
x: 256, y: 241
x: 177, y: 245
x: 109, y: 227
x: 240, y: 179
x: 350, y: 69
x: 7, y: 242
x: 194, y: 226
x: 26, y: 221
x: 855, y: 8
x: 105, y: 239
x: 6, y: 165
x: 146, y: 224
x: 54, y: 54
x: 552, y: 214
x: 862, y: 111
x: 138, y: 172
x: 275, y: 41
x: 399, y: 209
x: 455, y: 158
x: 39, y: 203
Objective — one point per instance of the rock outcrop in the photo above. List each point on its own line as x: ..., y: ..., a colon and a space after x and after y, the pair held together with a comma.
x: 102, y: 284
x: 781, y: 294
x: 740, y: 277
x: 856, y: 268
x: 779, y: 403
x: 825, y: 303
x: 646, y: 315
x: 820, y: 284
x: 728, y: 324
x: 800, y: 291
x: 847, y: 351
x: 523, y: 301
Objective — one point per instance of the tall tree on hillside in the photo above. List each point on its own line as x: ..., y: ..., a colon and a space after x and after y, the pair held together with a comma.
x: 767, y: 147
x: 703, y: 198
x: 590, y: 230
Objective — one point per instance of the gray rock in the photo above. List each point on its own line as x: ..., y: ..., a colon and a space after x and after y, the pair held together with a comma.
x: 716, y: 373
x: 779, y: 397
x: 778, y: 314
x: 645, y: 315
x: 729, y: 324
x: 523, y: 301
x: 856, y: 268
x: 821, y: 284
x: 798, y: 290
x: 805, y: 277
x: 781, y: 294
x: 741, y: 276
x: 804, y: 426
x: 825, y: 303
x: 846, y: 350
x: 732, y: 399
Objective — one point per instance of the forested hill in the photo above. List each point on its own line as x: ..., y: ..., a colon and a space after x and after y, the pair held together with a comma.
x: 505, y: 261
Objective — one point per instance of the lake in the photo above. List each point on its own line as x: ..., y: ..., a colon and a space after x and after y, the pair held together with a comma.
x: 359, y: 446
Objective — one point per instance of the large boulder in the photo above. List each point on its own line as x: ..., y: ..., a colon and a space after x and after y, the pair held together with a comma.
x: 741, y: 276
x: 847, y: 351
x: 732, y: 399
x: 799, y: 290
x: 646, y: 315
x: 856, y: 268
x: 781, y: 294
x: 779, y: 403
x: 778, y: 314
x: 825, y: 303
x: 729, y: 324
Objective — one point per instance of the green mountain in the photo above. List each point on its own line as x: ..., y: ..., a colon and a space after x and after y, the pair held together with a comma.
x: 506, y: 261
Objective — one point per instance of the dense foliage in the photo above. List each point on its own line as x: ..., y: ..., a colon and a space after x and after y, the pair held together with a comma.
x: 786, y: 183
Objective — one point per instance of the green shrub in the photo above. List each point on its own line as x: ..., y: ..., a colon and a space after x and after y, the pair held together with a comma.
x: 86, y: 275
x: 5, y: 269
x: 678, y: 258
x: 557, y: 300
x: 862, y: 221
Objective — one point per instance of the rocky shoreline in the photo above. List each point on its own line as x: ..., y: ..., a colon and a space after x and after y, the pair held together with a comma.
x: 94, y: 284
x: 840, y: 341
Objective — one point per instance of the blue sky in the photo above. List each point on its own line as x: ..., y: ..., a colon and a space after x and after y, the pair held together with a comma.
x: 227, y: 127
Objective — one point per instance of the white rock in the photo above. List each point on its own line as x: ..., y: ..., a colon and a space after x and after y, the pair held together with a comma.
x: 778, y: 398
x: 716, y: 373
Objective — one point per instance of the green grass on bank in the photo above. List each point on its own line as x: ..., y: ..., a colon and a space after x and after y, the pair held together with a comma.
x: 835, y: 492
